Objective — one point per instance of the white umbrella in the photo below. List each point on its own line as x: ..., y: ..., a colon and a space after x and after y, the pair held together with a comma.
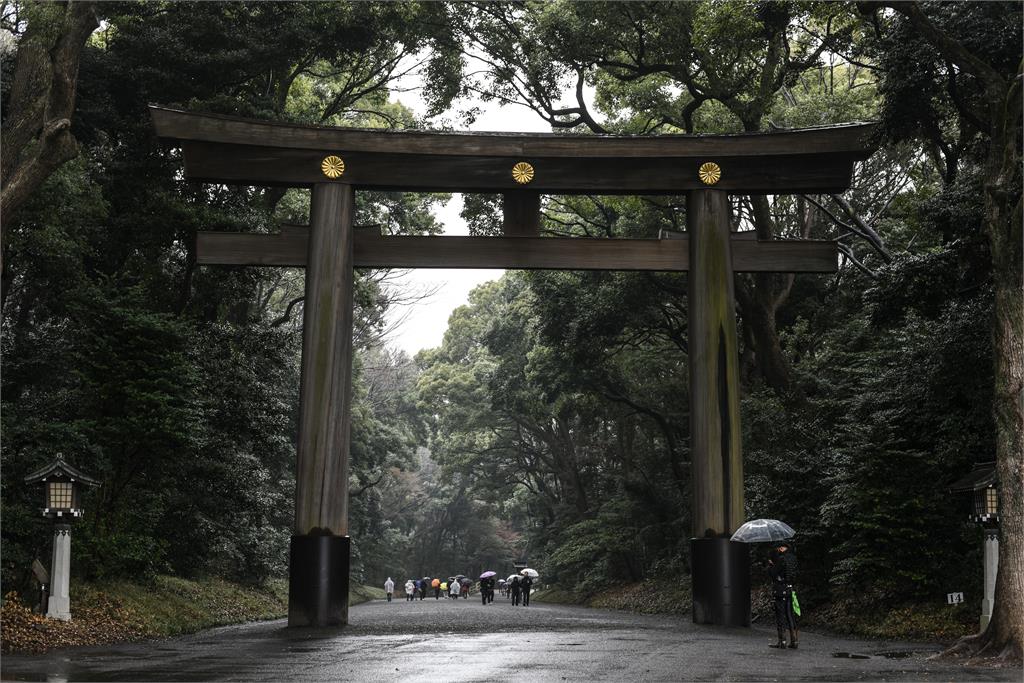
x: 763, y: 531
x: 511, y: 578
x: 532, y: 573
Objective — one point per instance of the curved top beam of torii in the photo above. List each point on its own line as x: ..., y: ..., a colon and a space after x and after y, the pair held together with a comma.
x: 235, y: 150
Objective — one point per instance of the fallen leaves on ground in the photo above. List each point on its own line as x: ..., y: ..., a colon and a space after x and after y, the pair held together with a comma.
x: 102, y: 620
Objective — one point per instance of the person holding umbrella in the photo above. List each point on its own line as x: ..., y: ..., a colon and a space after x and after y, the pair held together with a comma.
x: 487, y: 587
x: 782, y: 570
x: 527, y: 584
x: 516, y: 590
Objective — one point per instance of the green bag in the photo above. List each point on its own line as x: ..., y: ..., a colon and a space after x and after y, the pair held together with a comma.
x: 796, y: 604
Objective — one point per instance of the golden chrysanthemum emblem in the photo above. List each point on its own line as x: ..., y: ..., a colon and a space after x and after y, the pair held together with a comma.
x: 333, y: 166
x: 709, y: 173
x: 522, y: 173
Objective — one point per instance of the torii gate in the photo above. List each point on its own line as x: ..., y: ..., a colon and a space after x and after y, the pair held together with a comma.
x: 335, y: 162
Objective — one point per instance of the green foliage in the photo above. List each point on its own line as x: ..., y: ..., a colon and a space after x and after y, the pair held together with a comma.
x: 923, y: 97
x: 695, y: 67
x: 563, y: 461
x: 891, y: 371
x: 911, y: 426
x: 176, y: 386
x: 611, y: 547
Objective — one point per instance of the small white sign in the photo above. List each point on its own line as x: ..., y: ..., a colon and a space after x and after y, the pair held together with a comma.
x: 954, y: 598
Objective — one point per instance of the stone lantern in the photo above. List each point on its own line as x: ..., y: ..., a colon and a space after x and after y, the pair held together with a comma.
x: 981, y: 483
x: 62, y: 496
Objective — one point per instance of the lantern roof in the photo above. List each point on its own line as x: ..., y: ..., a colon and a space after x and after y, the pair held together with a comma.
x: 980, y: 477
x: 60, y: 468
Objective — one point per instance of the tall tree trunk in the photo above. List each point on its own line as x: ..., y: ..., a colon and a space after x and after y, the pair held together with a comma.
x: 758, y: 305
x: 759, y: 296
x: 1003, y: 209
x: 1002, y: 177
x: 1003, y: 216
x: 37, y: 135
x: 1007, y: 625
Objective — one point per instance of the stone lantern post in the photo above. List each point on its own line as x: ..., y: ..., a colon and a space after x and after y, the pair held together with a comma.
x: 982, y: 484
x: 62, y: 503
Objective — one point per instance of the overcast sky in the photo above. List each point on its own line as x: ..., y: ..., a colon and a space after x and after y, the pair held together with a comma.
x: 421, y: 325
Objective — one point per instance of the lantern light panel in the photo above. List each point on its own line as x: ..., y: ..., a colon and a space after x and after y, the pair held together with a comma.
x: 986, y: 504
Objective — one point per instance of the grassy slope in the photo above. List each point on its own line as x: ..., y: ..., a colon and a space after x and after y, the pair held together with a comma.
x: 120, y: 611
x: 647, y: 597
x: 932, y: 622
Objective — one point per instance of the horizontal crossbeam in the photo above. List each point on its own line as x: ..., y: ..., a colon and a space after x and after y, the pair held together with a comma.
x: 526, y: 253
x: 782, y: 174
x: 222, y: 149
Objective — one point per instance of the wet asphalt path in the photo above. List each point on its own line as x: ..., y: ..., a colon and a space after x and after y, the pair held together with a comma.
x: 466, y: 641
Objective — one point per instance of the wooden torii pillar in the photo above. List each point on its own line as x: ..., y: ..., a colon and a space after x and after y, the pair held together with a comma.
x: 336, y: 162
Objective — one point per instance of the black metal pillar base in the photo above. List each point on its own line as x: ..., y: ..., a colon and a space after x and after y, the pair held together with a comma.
x: 318, y: 581
x: 721, y: 581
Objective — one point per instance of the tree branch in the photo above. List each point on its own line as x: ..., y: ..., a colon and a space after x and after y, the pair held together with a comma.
x: 286, y: 316
x: 868, y: 232
x: 42, y: 101
x: 855, y: 229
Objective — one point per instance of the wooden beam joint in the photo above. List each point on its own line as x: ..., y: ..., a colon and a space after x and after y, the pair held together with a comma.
x: 521, y: 210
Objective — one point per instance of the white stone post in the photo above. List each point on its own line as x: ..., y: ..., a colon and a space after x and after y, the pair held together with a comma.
x: 59, y: 606
x: 991, y: 566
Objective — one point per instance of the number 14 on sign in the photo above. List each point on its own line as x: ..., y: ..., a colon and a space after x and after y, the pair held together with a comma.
x: 954, y: 598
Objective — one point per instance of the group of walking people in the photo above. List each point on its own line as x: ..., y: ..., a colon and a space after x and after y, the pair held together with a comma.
x: 516, y: 588
x: 450, y: 589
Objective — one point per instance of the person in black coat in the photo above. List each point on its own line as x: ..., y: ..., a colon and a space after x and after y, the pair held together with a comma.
x: 527, y: 586
x: 515, y: 591
x: 782, y: 568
